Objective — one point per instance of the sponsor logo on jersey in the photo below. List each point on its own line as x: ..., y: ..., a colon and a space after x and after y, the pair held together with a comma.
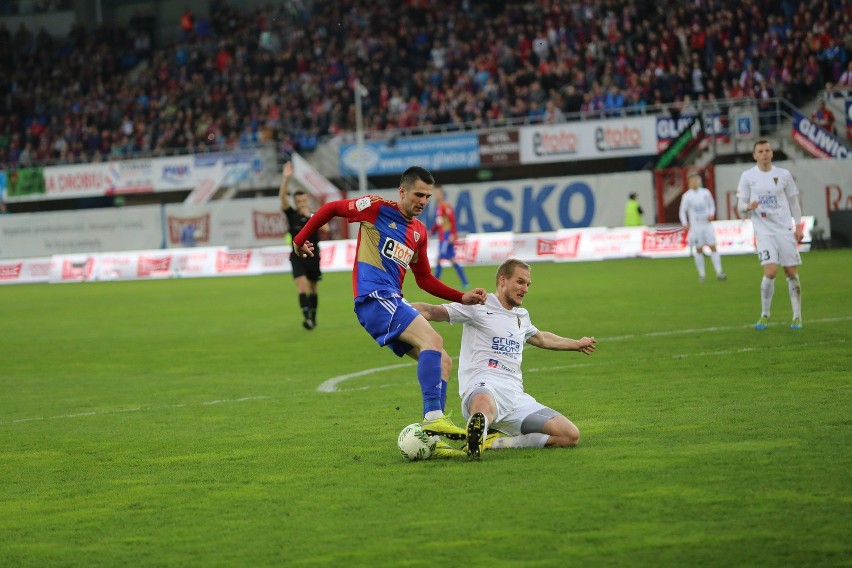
x: 392, y: 225
x: 768, y: 201
x: 493, y: 364
x: 397, y: 252
x: 362, y: 203
x: 505, y: 346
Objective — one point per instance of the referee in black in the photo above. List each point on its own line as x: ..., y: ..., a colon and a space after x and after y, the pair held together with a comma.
x: 306, y: 271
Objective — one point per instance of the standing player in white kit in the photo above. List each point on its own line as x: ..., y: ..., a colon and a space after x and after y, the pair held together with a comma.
x: 770, y: 197
x: 697, y: 210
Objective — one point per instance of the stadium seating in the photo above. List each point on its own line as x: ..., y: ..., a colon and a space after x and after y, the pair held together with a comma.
x: 284, y: 74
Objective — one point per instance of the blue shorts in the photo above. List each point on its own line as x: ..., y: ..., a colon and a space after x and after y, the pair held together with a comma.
x: 385, y: 315
x: 447, y: 250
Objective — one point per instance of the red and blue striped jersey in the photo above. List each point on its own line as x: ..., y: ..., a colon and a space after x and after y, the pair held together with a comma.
x: 388, y: 245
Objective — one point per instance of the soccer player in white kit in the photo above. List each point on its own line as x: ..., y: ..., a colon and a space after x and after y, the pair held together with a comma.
x: 697, y: 210
x: 490, y: 380
x: 770, y: 197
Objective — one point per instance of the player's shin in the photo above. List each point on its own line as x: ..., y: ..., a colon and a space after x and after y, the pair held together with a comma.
x: 795, y: 288
x: 698, y: 256
x: 767, y: 290
x: 431, y: 384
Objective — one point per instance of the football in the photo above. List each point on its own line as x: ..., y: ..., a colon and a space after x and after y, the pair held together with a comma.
x: 414, y: 444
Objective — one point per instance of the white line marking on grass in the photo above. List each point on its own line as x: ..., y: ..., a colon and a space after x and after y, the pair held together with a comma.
x: 710, y: 329
x: 139, y: 409
x: 747, y: 349
x: 330, y: 385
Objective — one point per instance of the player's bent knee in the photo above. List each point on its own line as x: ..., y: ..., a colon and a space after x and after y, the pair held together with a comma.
x: 446, y: 364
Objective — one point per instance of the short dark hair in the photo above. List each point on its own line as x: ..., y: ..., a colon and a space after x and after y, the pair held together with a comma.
x: 759, y: 142
x: 298, y: 193
x: 414, y: 173
x: 508, y: 268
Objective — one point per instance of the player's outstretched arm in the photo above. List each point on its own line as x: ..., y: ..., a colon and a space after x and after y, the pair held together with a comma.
x: 431, y: 312
x: 284, y: 188
x: 548, y: 340
x: 326, y: 213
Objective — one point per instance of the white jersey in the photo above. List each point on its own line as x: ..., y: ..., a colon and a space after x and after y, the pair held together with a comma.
x: 696, y: 207
x: 771, y: 190
x: 492, y: 341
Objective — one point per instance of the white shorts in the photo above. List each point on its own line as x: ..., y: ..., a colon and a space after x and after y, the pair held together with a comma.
x: 778, y: 249
x: 700, y: 235
x: 514, y: 406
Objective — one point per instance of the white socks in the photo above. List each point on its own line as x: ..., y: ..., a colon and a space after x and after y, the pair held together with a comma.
x: 717, y: 262
x: 767, y: 290
x: 715, y: 258
x: 534, y: 440
x: 795, y: 296
x: 433, y: 414
x: 699, y: 262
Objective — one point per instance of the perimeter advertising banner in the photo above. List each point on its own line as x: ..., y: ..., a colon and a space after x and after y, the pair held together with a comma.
x: 24, y: 235
x: 435, y: 153
x: 545, y: 204
x: 669, y: 128
x: 588, y: 140
x: 817, y: 141
x: 236, y: 223
x: 566, y: 245
x: 215, y: 170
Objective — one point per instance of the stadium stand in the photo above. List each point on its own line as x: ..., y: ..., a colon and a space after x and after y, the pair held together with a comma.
x: 284, y: 73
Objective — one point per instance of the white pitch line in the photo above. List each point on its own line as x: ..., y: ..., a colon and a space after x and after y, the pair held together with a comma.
x: 122, y: 410
x: 330, y: 385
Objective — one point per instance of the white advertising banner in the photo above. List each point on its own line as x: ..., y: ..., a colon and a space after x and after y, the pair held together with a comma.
x: 600, y: 243
x: 80, y: 180
x: 596, y: 243
x: 824, y: 186
x: 203, y: 173
x: 485, y: 248
x: 588, y: 140
x: 106, y: 178
x: 25, y: 271
x: 27, y: 235
x: 235, y: 223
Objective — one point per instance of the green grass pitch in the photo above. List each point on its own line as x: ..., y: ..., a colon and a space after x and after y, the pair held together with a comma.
x: 179, y: 423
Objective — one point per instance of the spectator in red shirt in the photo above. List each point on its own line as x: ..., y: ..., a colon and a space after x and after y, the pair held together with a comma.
x: 824, y: 118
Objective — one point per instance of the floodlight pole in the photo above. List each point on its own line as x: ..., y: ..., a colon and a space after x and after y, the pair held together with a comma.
x: 360, y: 91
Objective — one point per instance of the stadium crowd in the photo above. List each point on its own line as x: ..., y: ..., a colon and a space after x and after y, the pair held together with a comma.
x: 285, y: 73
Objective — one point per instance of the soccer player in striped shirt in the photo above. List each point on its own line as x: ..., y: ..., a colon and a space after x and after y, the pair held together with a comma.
x: 392, y: 241
x: 445, y: 227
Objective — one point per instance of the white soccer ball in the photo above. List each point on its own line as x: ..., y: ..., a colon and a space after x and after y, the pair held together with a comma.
x: 414, y: 444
